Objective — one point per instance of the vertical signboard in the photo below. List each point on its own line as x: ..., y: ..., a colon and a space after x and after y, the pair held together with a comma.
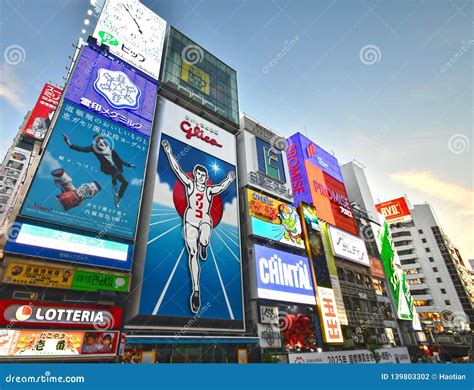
x: 133, y: 33
x: 329, y: 317
x: 193, y: 254
x: 38, y: 123
x: 11, y: 177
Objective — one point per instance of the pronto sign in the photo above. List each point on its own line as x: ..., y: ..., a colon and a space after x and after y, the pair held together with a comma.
x: 77, y: 316
x: 395, y: 211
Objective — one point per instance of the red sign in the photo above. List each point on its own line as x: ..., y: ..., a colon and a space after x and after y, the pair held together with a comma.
x: 197, y: 132
x: 330, y: 199
x: 40, y: 119
x: 376, y: 268
x: 395, y: 210
x: 24, y: 313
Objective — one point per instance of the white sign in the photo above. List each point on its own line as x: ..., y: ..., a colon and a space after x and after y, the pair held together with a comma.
x: 348, y: 246
x: 133, y: 33
x: 394, y: 355
x: 12, y: 174
x: 329, y: 316
x: 269, y: 335
x: 269, y: 315
x: 338, y: 357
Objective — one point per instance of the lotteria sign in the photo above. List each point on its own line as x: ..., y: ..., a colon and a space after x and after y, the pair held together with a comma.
x: 283, y: 276
x: 77, y: 316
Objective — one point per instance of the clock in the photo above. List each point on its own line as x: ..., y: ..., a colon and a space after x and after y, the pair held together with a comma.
x: 133, y: 33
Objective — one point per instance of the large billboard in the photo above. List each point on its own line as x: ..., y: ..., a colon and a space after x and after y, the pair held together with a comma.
x: 274, y: 220
x: 90, y: 176
x: 318, y: 181
x: 283, y: 276
x: 328, y: 315
x: 193, y: 253
x: 38, y: 123
x: 109, y: 89
x: 348, y: 247
x: 12, y: 175
x: 395, y: 211
x: 133, y: 33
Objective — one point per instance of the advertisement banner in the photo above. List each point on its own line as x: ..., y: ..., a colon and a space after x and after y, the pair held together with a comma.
x: 398, y: 355
x: 270, y: 160
x: 376, y: 268
x: 396, y: 279
x: 57, y: 343
x: 269, y: 314
x: 30, y: 273
x: 12, y: 175
x: 109, y: 89
x: 336, y: 357
x: 133, y: 33
x: 269, y: 335
x: 283, y: 276
x: 348, y: 247
x: 395, y: 211
x: 90, y: 176
x: 58, y: 245
x: 38, y: 123
x: 23, y: 313
x: 196, y: 77
x: 193, y: 239
x: 328, y: 316
x: 275, y: 220
x: 317, y: 156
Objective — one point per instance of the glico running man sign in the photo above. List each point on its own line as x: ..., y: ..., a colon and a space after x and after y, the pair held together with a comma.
x: 193, y: 253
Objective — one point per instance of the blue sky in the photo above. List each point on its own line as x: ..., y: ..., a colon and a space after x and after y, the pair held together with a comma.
x: 407, y: 116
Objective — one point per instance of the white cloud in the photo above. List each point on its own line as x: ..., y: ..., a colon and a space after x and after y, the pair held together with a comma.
x: 10, y: 88
x: 229, y: 214
x: 162, y: 193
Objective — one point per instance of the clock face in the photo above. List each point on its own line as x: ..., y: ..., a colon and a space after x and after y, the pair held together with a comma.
x: 133, y: 33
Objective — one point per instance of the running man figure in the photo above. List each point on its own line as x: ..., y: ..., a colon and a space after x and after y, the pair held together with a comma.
x: 197, y: 223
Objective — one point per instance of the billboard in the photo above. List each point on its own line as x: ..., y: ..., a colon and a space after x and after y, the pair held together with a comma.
x: 12, y: 175
x: 283, y: 276
x: 90, y: 176
x: 329, y: 316
x: 318, y: 181
x: 109, y: 89
x: 57, y: 343
x: 334, y: 357
x: 397, y: 355
x: 270, y: 160
x: 31, y: 273
x: 395, y: 211
x: 348, y: 247
x: 275, y: 220
x: 133, y: 33
x: 59, y: 245
x: 23, y: 313
x: 376, y: 268
x: 192, y: 261
x: 317, y: 156
x: 38, y: 123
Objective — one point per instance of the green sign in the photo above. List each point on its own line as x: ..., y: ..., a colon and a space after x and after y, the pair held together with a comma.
x: 107, y: 38
x: 395, y: 276
x: 95, y: 281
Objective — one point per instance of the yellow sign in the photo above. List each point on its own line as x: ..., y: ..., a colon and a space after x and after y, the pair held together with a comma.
x: 196, y: 77
x: 31, y: 274
x: 242, y: 356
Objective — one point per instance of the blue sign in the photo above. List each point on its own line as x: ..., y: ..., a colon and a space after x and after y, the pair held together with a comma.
x: 111, y: 90
x: 45, y: 243
x: 270, y: 160
x: 283, y: 276
x: 311, y: 152
x: 90, y: 176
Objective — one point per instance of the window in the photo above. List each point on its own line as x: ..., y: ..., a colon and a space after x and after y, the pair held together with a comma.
x: 359, y: 279
x: 435, y: 269
x: 350, y: 276
x: 447, y: 302
x: 420, y: 231
x: 431, y: 260
x: 341, y: 274
x: 443, y: 291
x: 423, y: 240
x: 439, y: 280
x: 427, y: 250
x: 405, y: 252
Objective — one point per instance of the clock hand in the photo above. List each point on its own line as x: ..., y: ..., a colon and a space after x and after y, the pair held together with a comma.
x: 139, y: 29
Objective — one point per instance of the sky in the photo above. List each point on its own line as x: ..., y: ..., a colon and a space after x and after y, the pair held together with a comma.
x: 388, y: 83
